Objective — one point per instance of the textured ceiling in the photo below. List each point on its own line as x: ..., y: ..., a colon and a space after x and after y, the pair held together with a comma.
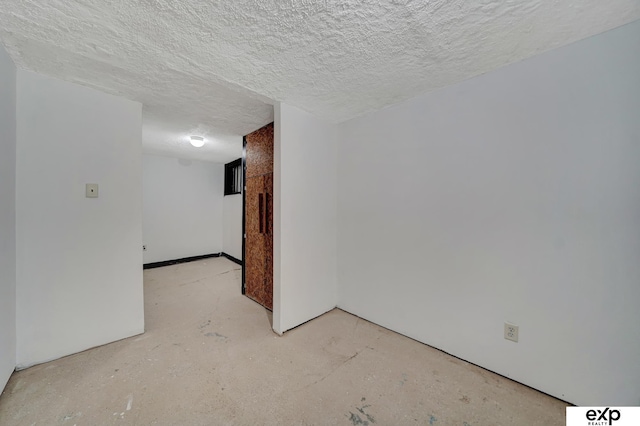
x: 215, y: 68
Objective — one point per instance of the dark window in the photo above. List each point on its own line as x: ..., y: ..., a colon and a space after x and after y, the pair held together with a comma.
x: 233, y: 177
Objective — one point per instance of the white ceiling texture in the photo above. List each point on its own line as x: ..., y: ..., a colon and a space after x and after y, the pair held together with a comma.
x: 213, y: 68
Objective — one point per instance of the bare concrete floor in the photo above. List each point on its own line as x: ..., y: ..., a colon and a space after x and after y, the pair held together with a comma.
x: 209, y: 357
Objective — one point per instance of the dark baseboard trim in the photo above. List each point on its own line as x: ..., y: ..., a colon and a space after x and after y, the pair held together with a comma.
x: 231, y: 258
x: 176, y: 261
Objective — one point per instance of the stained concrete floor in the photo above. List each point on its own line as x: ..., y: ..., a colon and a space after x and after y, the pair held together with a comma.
x: 209, y: 357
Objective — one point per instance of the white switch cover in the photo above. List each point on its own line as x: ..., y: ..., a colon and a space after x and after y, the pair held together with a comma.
x: 92, y: 190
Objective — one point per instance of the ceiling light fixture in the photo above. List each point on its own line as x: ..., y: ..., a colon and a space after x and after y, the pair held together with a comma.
x: 197, y: 141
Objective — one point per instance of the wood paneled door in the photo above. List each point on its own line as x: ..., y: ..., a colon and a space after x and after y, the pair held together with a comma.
x: 258, y: 225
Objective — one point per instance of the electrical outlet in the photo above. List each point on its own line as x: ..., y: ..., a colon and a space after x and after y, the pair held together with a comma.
x: 511, y: 332
x: 144, y: 248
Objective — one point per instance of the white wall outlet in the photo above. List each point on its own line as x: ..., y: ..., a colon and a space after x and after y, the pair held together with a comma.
x: 91, y: 190
x: 511, y: 332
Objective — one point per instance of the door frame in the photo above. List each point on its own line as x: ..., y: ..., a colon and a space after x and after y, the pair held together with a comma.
x: 244, y: 213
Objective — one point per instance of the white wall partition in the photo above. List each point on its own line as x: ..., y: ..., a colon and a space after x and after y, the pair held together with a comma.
x: 304, y: 217
x: 182, y: 208
x: 513, y: 196
x: 7, y: 217
x: 79, y: 260
x: 232, y: 225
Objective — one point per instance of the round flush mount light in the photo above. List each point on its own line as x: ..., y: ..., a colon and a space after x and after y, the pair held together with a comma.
x: 197, y: 141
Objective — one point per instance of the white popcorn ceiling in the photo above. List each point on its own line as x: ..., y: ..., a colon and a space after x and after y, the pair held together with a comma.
x: 215, y: 68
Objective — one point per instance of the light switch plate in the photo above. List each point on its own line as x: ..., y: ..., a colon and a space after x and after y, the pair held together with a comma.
x: 92, y: 190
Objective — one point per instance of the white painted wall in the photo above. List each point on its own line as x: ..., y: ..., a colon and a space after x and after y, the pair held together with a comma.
x: 232, y: 225
x: 181, y: 208
x: 305, y: 264
x: 514, y: 196
x: 79, y: 260
x: 7, y: 217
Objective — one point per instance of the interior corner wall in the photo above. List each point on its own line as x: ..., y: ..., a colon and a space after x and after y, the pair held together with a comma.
x: 232, y: 225
x: 79, y: 260
x: 181, y: 208
x: 305, y: 263
x: 7, y: 217
x: 513, y: 196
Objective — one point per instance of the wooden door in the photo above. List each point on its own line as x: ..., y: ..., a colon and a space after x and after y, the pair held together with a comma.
x: 258, y: 257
